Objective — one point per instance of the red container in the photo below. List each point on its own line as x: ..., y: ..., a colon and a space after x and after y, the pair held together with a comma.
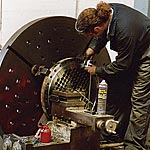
x: 45, y: 134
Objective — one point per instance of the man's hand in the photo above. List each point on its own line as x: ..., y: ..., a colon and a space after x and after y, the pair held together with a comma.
x: 91, y: 69
x: 89, y: 52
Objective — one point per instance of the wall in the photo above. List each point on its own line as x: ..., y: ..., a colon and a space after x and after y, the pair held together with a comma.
x: 143, y: 6
x: 16, y: 13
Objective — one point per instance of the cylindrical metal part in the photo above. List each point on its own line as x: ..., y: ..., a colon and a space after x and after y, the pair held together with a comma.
x: 100, y: 124
x: 111, y: 125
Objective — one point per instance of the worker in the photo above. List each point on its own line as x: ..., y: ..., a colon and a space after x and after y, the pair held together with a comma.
x: 128, y: 77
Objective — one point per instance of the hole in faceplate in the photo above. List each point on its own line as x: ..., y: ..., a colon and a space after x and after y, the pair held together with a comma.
x: 33, y: 119
x: 43, y: 58
x: 7, y: 106
x: 40, y: 33
x: 28, y: 42
x: 37, y: 105
x: 11, y: 123
x: 10, y: 70
x: 28, y: 81
x: 35, y: 93
x: 7, y: 88
x: 23, y: 124
x: 18, y: 111
x: 49, y: 41
x: 16, y: 96
x: 73, y: 40
x: 38, y: 47
x: 18, y: 81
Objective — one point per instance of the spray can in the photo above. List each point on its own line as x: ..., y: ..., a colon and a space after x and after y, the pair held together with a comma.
x: 102, y: 96
x: 45, y: 134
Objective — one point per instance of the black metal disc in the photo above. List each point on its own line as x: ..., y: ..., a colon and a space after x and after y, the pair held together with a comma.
x: 44, y: 41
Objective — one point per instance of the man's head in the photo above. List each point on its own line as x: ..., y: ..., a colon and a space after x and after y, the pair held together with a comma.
x: 93, y: 21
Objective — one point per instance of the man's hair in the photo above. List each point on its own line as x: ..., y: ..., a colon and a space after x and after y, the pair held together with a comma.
x: 91, y: 17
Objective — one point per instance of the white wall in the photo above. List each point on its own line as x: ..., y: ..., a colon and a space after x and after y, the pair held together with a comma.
x: 16, y: 13
x: 82, y: 4
x: 142, y: 6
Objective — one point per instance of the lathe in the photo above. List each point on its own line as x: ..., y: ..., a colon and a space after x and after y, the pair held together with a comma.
x: 41, y: 77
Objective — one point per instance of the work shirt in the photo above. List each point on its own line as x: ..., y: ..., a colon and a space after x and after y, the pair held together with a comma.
x: 129, y: 36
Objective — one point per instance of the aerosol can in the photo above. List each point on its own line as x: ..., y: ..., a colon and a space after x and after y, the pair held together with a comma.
x: 102, y: 96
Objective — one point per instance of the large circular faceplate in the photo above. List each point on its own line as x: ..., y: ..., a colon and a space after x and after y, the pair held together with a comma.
x: 44, y: 41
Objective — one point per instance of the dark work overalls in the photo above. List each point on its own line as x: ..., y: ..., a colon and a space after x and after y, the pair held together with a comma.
x: 128, y: 77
